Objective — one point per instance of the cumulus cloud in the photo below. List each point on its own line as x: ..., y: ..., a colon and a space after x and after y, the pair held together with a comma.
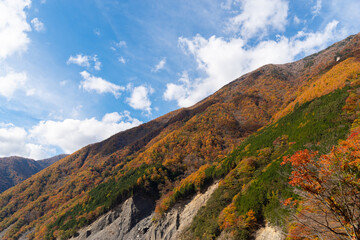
x: 37, y: 25
x: 14, y: 141
x: 99, y: 85
x: 72, y: 134
x: 139, y: 98
x: 11, y: 82
x: 13, y: 27
x: 160, y: 65
x: 224, y: 60
x: 79, y: 59
x: 260, y: 16
x: 85, y: 61
x: 179, y: 92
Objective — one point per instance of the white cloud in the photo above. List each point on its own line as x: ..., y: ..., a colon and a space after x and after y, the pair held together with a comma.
x: 345, y: 11
x: 317, y: 7
x: 63, y: 82
x: 226, y: 4
x: 79, y: 59
x: 121, y: 44
x: 297, y: 20
x: 30, y: 92
x: 113, y: 117
x: 85, y: 61
x: 118, y: 45
x: 122, y: 60
x: 11, y: 82
x: 224, y: 60
x: 258, y: 17
x: 139, y: 98
x: 99, y: 85
x: 72, y: 134
x: 37, y: 25
x: 14, y: 141
x: 160, y: 65
x: 179, y: 92
x: 97, y: 32
x: 13, y: 27
x: 97, y: 63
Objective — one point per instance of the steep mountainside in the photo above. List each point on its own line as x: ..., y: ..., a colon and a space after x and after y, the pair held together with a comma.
x: 14, y: 170
x: 236, y: 135
x: 49, y: 161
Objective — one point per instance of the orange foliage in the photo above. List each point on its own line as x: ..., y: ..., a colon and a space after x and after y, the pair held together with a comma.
x: 183, y: 141
x: 330, y: 186
x: 334, y: 79
x: 228, y: 219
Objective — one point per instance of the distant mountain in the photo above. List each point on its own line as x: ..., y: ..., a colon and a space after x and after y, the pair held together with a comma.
x: 49, y: 161
x: 152, y: 181
x: 14, y: 170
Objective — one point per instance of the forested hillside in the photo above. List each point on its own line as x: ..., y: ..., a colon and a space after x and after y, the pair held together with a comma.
x: 237, y: 136
x: 14, y: 170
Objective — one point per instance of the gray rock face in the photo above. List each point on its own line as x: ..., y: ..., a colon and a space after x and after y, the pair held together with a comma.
x: 270, y: 233
x: 133, y: 220
x: 116, y: 223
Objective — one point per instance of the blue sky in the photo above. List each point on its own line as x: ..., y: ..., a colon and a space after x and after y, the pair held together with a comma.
x: 77, y: 72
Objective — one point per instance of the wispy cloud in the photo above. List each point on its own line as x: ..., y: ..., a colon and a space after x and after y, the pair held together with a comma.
x: 121, y: 44
x: 97, y: 32
x: 122, y: 60
x: 317, y: 8
x: 160, y: 65
x: 118, y: 45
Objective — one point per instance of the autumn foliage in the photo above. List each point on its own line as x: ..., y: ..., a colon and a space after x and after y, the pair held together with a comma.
x: 330, y: 187
x: 229, y: 219
x: 173, y: 157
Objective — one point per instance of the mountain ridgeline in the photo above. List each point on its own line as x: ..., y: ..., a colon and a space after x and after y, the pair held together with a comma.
x: 14, y: 170
x: 148, y: 178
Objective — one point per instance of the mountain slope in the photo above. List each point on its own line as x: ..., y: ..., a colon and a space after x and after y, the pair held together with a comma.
x: 171, y: 157
x: 14, y: 170
x: 49, y: 161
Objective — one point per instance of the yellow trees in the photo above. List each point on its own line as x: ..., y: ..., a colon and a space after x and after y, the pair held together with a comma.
x: 335, y: 78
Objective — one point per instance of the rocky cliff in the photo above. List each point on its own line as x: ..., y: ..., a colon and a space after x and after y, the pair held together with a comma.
x: 135, y: 220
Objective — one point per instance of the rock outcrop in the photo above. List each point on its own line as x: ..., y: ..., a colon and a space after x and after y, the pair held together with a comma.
x: 269, y: 233
x: 134, y: 220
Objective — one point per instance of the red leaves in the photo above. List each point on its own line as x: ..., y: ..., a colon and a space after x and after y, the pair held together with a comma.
x: 305, y: 174
x: 330, y: 186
